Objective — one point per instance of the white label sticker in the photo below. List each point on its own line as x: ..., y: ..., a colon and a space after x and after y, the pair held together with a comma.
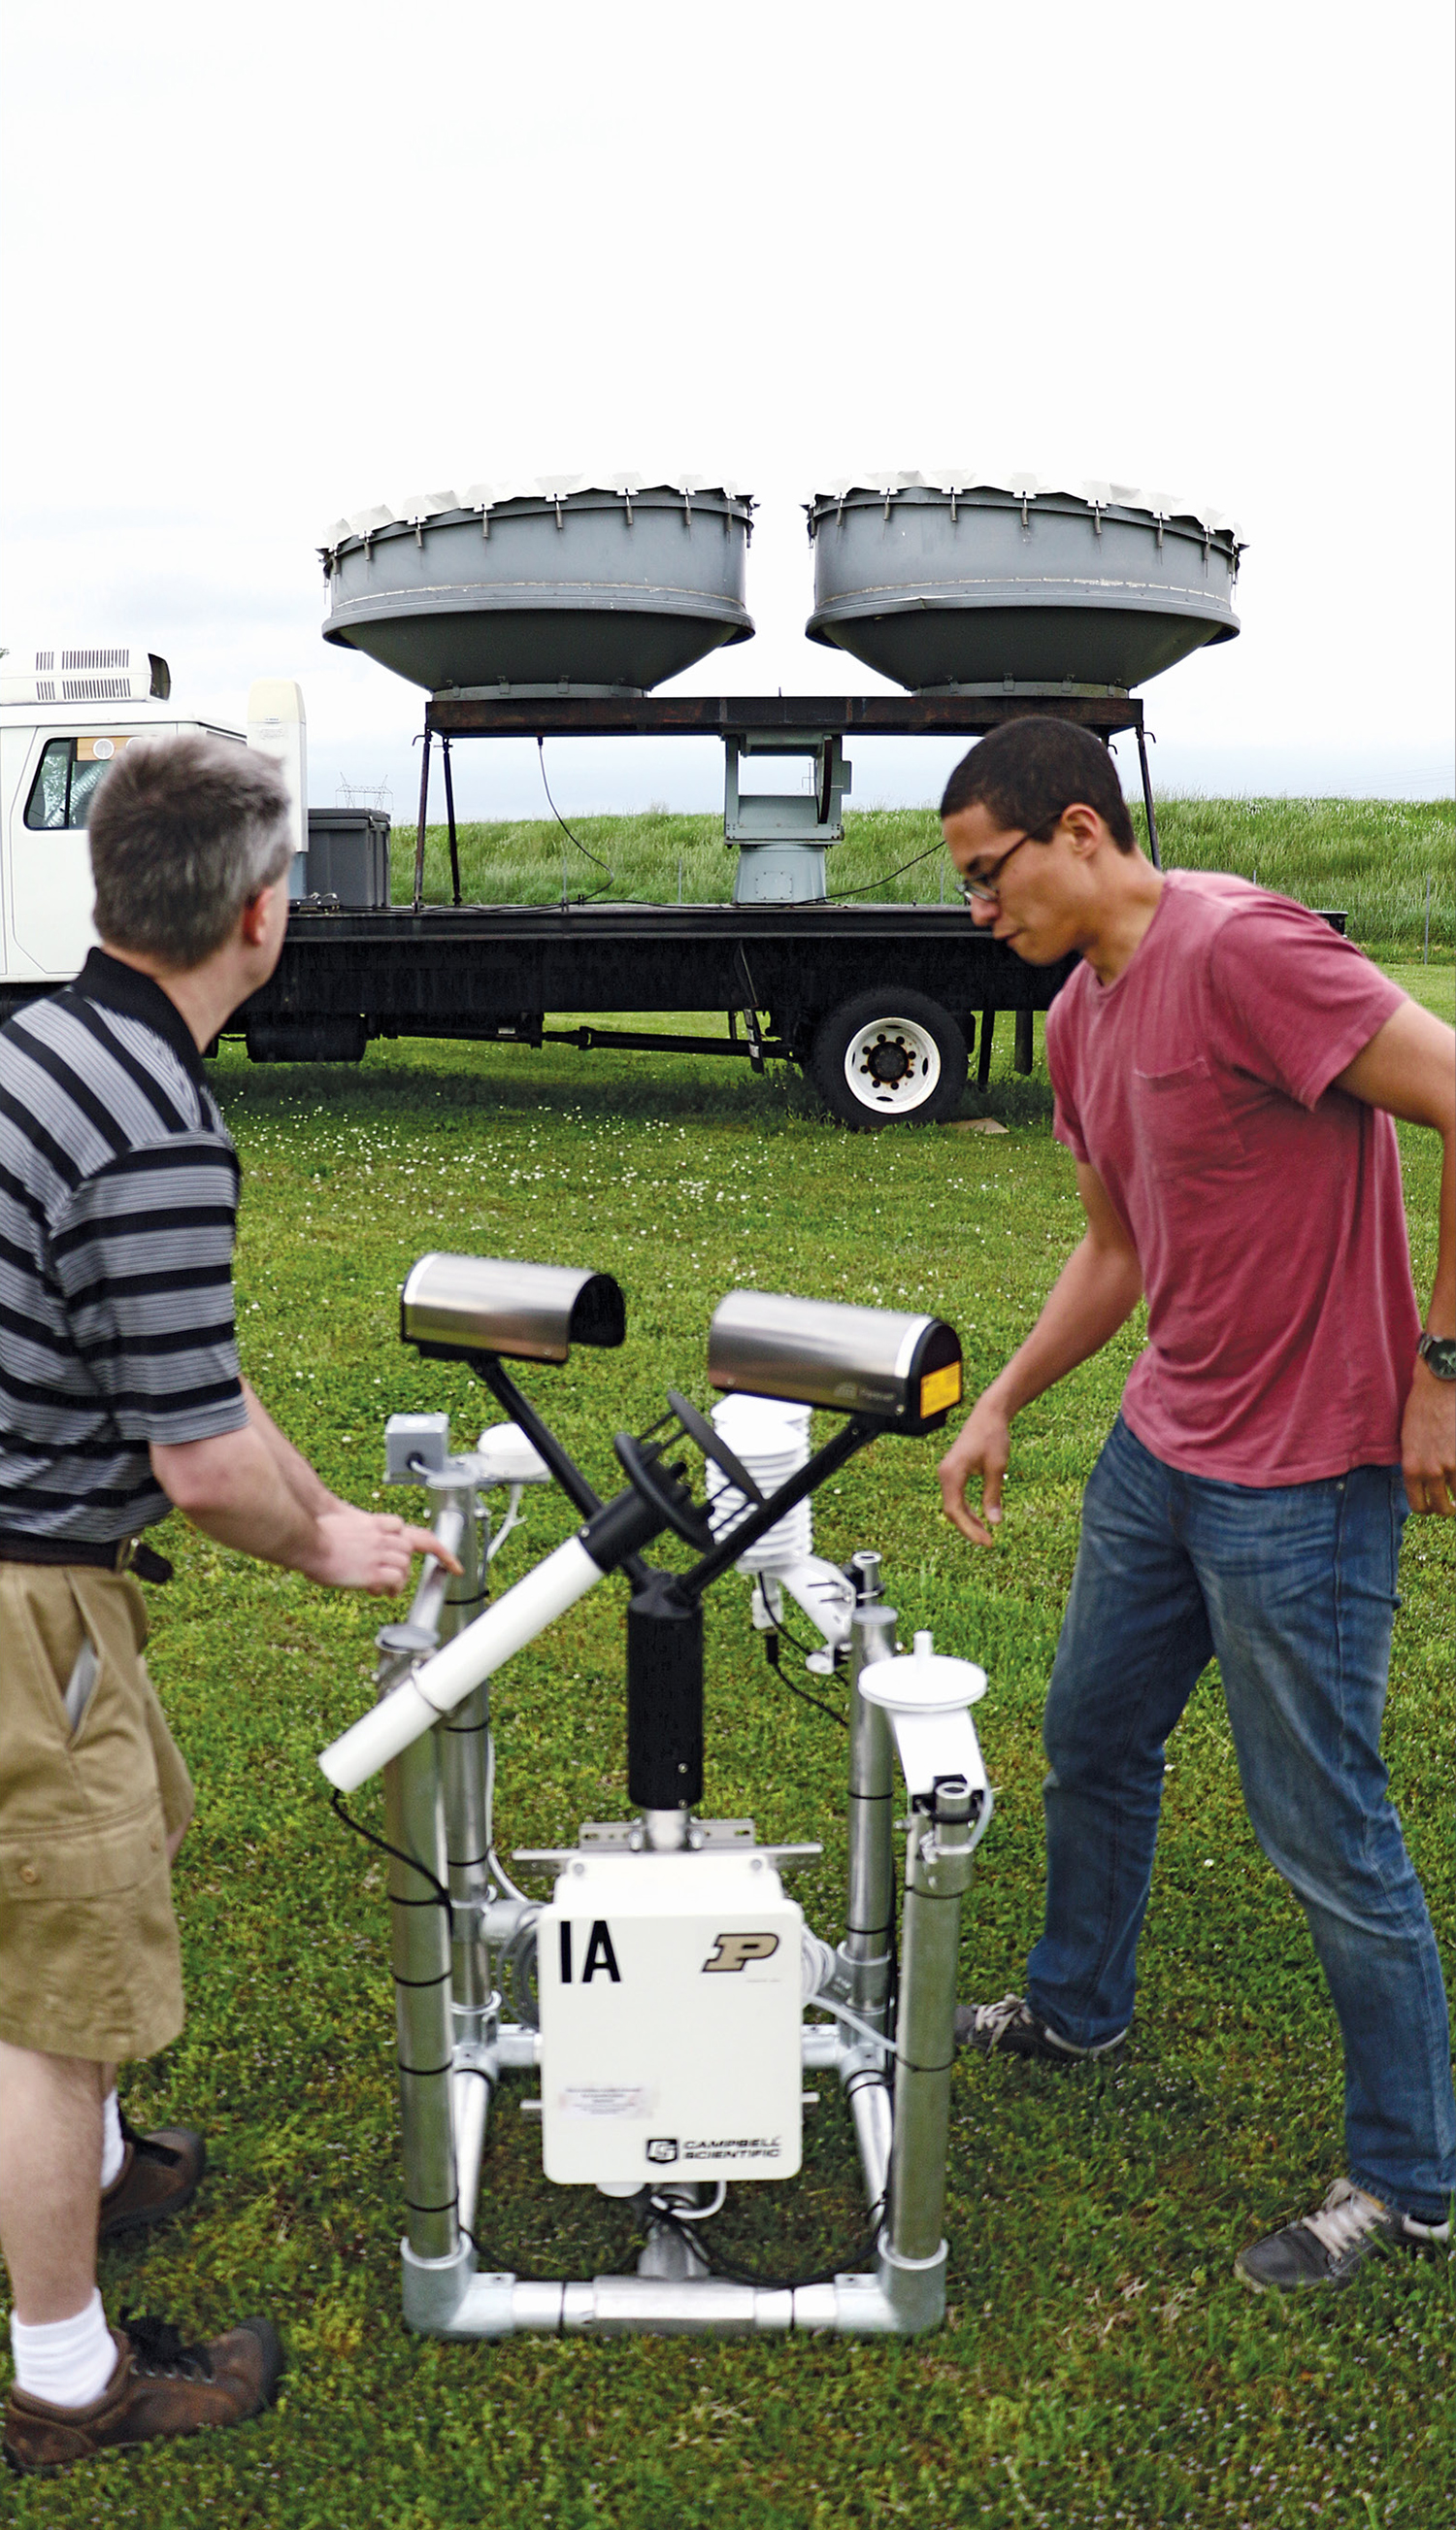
x: 605, y: 2100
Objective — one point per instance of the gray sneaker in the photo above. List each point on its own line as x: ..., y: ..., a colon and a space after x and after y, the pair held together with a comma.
x: 1326, y: 2247
x: 1011, y: 2028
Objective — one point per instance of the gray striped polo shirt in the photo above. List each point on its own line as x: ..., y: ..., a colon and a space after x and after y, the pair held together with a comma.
x: 118, y: 1213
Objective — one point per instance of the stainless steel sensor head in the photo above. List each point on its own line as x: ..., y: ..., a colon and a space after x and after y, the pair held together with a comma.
x: 454, y: 1306
x: 885, y: 1362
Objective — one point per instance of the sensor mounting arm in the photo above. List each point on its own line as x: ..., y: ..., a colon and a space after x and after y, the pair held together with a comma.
x: 579, y: 1493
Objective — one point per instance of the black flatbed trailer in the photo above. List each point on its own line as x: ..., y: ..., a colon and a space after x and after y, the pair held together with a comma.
x: 881, y: 1004
x: 944, y: 712
x: 779, y: 973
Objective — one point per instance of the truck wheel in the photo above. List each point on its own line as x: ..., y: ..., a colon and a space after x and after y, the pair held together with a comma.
x: 888, y: 1058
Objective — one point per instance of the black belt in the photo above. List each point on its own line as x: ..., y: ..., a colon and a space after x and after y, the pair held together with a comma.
x: 126, y: 1555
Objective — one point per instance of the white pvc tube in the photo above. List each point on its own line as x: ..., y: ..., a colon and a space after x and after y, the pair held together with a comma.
x: 451, y: 1674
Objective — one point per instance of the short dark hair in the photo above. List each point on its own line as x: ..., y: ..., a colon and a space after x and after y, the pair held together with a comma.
x: 182, y: 833
x: 1027, y: 772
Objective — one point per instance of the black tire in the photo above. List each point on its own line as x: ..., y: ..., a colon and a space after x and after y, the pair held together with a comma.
x: 891, y: 1057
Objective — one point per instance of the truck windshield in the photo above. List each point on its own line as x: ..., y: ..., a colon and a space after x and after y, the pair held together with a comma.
x: 66, y: 781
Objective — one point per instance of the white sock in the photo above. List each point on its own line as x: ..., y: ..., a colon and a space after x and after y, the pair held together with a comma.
x: 113, y: 2150
x: 67, y: 2363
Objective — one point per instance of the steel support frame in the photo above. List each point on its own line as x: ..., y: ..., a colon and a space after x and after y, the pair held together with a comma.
x: 773, y: 725
x: 811, y: 719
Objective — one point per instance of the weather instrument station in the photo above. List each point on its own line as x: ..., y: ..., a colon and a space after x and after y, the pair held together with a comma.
x: 667, y: 1998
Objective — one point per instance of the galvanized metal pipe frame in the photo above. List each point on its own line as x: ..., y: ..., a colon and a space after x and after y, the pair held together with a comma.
x: 453, y: 2046
x: 464, y: 1739
x: 867, y: 1949
x: 420, y: 1947
x: 937, y: 1872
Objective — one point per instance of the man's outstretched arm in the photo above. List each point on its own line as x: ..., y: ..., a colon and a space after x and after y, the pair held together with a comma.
x: 301, y: 1480
x: 254, y: 1491
x: 1095, y: 1294
x: 1409, y: 1067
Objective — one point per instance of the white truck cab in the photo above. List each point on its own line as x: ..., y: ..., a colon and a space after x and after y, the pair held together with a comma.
x: 65, y: 715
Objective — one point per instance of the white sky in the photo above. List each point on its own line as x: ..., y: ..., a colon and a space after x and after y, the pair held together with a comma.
x: 266, y: 265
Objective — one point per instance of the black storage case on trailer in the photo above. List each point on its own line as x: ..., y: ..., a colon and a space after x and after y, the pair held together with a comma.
x: 348, y: 856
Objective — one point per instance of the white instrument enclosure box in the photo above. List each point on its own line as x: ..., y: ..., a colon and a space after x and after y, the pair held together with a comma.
x: 670, y: 2003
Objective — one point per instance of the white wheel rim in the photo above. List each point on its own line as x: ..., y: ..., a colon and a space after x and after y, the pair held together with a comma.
x: 893, y: 1066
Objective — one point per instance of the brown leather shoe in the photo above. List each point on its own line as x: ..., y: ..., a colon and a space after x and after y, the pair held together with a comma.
x: 159, y: 2387
x: 159, y: 2176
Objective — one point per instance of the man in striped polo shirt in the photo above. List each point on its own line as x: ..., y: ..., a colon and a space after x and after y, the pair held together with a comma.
x: 120, y: 1397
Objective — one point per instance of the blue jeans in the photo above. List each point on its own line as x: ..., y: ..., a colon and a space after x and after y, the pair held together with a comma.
x: 1294, y: 1590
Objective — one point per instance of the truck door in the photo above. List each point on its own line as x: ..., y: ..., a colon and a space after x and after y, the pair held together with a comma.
x: 51, y: 894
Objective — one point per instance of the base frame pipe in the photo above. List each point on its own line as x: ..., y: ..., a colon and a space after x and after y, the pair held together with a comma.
x: 937, y: 1871
x: 420, y: 1947
x: 443, y: 2297
x: 867, y: 1949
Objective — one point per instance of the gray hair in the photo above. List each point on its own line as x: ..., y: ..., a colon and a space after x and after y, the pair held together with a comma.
x: 184, y: 832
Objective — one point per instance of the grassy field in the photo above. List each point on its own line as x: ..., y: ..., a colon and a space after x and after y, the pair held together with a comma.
x: 1102, y: 2366
x: 1371, y: 856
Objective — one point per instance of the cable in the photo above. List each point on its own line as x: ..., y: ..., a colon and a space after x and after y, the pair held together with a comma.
x: 844, y: 895
x: 567, y: 831
x: 771, y: 1655
x: 775, y: 1607
x: 702, y: 2212
x: 476, y: 1599
x: 516, y: 1963
x: 651, y: 2208
x: 440, y: 1894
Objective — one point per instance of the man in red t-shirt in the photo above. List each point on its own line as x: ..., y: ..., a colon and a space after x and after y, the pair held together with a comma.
x: 1226, y: 1069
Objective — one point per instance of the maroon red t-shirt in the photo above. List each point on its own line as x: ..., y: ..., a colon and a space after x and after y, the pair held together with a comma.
x: 1264, y: 1206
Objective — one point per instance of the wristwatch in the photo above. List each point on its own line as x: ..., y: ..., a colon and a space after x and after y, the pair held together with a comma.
x: 1438, y: 1353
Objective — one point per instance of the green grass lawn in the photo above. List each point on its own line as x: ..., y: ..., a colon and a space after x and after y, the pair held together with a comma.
x: 1102, y: 2365
x: 1372, y: 858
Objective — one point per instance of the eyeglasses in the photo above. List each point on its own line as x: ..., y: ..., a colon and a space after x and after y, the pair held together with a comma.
x: 988, y: 890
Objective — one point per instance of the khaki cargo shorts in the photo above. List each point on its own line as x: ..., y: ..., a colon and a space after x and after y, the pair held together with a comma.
x: 89, y: 1960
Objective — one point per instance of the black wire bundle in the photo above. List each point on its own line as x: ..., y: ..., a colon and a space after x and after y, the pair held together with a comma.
x: 771, y: 1655
x: 576, y: 839
x: 842, y: 896
x: 651, y: 2208
x: 439, y: 1894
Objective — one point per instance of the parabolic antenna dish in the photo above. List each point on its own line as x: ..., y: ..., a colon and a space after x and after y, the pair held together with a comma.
x: 958, y: 580
x: 564, y: 586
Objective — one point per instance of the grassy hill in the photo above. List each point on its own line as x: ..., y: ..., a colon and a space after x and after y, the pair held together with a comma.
x: 1372, y: 857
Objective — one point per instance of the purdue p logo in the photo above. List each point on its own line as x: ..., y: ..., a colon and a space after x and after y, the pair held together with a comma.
x: 731, y: 1952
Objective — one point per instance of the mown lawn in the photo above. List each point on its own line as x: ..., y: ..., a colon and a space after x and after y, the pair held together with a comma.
x: 1102, y: 2365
